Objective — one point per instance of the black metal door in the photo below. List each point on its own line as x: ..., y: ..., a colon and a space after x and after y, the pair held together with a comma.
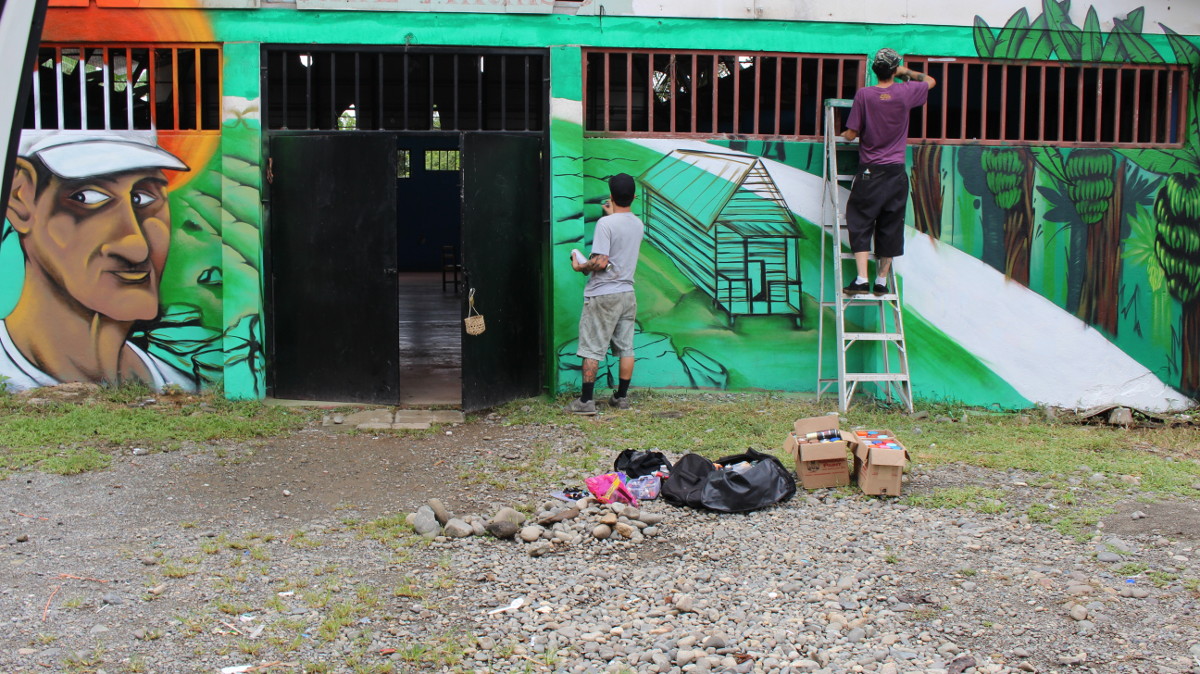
x: 333, y: 268
x: 503, y: 230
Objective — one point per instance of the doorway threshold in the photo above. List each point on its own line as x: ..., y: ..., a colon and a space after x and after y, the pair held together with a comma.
x: 375, y: 417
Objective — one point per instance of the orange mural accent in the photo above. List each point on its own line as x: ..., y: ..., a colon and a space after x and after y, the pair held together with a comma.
x: 108, y: 25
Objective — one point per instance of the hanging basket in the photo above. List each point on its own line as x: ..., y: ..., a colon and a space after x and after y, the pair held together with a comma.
x: 474, y: 321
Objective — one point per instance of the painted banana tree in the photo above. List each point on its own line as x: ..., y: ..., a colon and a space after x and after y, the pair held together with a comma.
x: 1010, y: 171
x: 1177, y: 219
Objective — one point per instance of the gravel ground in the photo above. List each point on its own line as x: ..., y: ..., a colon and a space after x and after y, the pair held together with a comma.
x: 289, y: 555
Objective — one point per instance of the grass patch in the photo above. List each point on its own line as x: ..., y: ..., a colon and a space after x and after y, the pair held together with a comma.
x: 979, y: 499
x: 1131, y: 569
x: 73, y: 437
x: 714, y: 424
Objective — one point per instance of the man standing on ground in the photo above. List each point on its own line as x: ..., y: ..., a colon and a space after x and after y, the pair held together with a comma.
x: 609, y: 305
x: 879, y: 196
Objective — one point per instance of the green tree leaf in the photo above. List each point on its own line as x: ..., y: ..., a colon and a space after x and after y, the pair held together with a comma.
x: 985, y: 41
x: 1037, y: 45
x: 1134, y: 19
x: 1050, y: 160
x: 1164, y: 162
x: 1092, y: 38
x: 1064, y: 34
x: 1185, y: 51
x: 1012, y: 35
x: 1136, y: 47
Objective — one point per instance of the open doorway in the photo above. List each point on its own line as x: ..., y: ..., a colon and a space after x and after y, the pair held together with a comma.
x: 397, y: 178
x: 429, y: 263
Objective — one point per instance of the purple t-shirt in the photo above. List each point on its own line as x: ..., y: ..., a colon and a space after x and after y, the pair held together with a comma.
x: 880, y: 116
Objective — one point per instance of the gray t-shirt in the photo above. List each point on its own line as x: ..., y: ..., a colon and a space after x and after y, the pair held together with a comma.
x: 619, y: 236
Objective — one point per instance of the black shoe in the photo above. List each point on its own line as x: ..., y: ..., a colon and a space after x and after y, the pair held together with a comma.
x: 879, y: 289
x: 858, y: 289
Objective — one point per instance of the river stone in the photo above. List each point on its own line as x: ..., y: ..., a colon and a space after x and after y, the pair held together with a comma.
x: 456, y: 528
x: 502, y: 528
x: 602, y: 531
x: 531, y: 533
x: 440, y: 511
x: 507, y: 514
x: 425, y: 522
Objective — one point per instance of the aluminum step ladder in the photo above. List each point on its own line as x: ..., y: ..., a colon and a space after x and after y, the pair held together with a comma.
x: 878, y: 342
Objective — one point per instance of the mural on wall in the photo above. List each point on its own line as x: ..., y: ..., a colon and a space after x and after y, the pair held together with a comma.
x: 132, y: 255
x: 1032, y: 274
x: 91, y: 215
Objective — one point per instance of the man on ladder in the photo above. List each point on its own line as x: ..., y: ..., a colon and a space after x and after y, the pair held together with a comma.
x: 879, y: 196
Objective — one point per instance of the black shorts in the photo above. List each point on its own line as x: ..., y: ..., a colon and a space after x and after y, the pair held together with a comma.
x: 876, y: 209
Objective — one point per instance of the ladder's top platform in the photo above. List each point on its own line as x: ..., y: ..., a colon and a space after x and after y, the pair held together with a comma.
x: 838, y: 102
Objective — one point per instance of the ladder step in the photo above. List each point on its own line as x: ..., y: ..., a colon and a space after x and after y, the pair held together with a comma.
x: 839, y: 102
x: 874, y: 336
x: 876, y: 376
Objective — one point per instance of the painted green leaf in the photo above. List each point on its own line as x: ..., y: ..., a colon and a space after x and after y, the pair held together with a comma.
x: 1012, y: 35
x: 1134, y: 19
x: 1038, y: 45
x: 1064, y: 34
x: 1164, y: 162
x: 1185, y: 51
x: 1135, y: 46
x: 985, y: 41
x: 1092, y: 39
x: 1050, y: 160
x: 1114, y: 47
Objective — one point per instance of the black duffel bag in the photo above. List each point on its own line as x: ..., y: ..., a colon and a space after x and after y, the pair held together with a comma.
x: 696, y: 483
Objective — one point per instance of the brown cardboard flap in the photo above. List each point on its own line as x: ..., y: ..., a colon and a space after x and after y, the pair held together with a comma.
x: 814, y: 425
x: 822, y: 451
x: 887, y: 457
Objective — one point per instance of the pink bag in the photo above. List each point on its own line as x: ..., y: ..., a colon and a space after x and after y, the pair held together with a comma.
x: 610, y: 487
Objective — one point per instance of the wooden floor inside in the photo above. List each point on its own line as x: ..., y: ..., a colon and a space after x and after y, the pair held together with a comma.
x: 430, y: 341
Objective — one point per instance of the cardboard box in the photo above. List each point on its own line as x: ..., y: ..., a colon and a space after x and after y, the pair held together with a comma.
x: 818, y: 464
x: 878, y: 469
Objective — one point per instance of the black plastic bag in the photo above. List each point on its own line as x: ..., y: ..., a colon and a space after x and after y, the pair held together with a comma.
x: 766, y: 482
x: 695, y: 482
x: 637, y: 463
x: 687, y: 480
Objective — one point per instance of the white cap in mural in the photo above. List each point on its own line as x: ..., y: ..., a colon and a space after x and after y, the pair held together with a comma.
x: 77, y: 154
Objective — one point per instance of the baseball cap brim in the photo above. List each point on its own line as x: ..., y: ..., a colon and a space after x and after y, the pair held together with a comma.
x: 74, y: 154
x: 102, y: 157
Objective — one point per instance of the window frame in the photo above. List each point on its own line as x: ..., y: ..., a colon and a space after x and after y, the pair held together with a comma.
x: 200, y: 124
x: 1171, y: 122
x: 845, y: 90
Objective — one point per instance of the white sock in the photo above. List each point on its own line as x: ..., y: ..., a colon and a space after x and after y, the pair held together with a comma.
x: 880, y: 280
x: 860, y: 279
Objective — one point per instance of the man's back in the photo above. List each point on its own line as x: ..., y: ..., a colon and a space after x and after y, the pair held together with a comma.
x: 619, y: 236
x: 880, y: 114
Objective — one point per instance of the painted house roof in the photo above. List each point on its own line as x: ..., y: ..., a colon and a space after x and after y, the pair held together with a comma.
x: 734, y: 190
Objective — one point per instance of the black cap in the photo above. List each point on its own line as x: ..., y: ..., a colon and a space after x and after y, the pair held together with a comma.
x: 622, y: 188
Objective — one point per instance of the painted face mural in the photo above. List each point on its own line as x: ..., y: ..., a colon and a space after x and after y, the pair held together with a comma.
x: 91, y: 212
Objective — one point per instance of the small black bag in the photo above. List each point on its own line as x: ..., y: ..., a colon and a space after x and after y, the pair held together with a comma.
x: 765, y: 483
x: 637, y: 463
x: 687, y: 480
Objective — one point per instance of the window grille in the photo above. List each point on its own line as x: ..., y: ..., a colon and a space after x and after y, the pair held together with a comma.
x: 1052, y: 102
x: 713, y: 94
x: 131, y: 87
x: 442, y: 160
x: 405, y: 89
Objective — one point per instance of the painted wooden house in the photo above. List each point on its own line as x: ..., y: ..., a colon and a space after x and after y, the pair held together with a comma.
x: 723, y: 221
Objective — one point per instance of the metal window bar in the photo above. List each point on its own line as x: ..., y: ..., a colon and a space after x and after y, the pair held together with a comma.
x: 58, y: 81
